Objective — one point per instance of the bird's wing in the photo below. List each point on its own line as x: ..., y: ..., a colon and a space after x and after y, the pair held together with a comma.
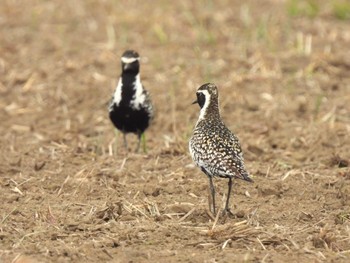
x: 229, y: 161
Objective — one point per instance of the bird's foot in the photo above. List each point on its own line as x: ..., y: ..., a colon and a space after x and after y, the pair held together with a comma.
x: 210, y: 214
x: 228, y: 212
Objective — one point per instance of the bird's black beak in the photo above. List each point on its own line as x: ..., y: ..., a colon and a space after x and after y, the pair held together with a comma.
x: 126, y: 66
x: 196, y: 101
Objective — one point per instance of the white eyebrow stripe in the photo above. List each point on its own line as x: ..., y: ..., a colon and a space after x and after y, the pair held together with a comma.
x: 129, y: 60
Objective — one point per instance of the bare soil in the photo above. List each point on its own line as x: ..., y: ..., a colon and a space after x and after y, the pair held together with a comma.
x: 71, y: 193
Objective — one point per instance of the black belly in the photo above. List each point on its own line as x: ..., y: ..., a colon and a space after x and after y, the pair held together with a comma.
x: 127, y: 120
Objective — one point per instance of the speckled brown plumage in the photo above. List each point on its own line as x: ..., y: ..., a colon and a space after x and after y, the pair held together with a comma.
x: 213, y: 147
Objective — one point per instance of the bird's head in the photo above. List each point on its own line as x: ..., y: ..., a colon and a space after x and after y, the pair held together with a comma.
x: 205, y: 94
x: 207, y: 99
x: 130, y: 61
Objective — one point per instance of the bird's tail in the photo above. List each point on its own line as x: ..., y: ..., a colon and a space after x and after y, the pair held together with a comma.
x: 245, y: 176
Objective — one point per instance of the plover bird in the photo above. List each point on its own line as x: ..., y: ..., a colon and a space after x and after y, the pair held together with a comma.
x: 131, y: 109
x: 213, y: 147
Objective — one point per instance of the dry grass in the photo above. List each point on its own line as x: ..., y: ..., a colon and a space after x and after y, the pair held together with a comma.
x: 71, y: 193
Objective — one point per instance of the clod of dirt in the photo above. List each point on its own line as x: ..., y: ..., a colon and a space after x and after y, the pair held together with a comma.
x: 128, y: 218
x: 74, y: 227
x: 302, y: 105
x: 345, y: 175
x: 273, y: 189
x: 336, y: 160
x: 277, y: 143
x: 324, y: 239
x: 179, y: 208
x: 160, y: 218
x: 255, y: 149
x: 318, y: 242
x: 39, y: 165
x: 252, y: 107
x: 174, y: 150
x: 151, y: 190
x: 110, y: 212
x: 13, y: 198
x: 17, y: 163
x: 240, y: 214
x: 303, y: 216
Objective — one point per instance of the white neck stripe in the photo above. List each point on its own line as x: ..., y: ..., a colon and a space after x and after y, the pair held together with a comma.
x: 117, y: 97
x: 206, y: 104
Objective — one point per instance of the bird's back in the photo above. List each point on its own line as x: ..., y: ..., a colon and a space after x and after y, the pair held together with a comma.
x: 217, y: 150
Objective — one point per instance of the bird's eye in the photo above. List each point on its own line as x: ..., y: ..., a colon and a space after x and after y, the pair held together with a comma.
x: 200, y: 99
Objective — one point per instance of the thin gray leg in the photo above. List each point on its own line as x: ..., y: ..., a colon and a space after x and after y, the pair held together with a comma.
x: 125, y: 141
x: 212, y: 191
x: 139, y: 135
x: 227, y: 209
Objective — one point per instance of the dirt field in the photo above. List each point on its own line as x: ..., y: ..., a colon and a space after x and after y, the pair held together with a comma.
x: 71, y: 193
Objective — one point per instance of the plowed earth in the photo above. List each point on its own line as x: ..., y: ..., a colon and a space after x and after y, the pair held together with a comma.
x: 71, y: 193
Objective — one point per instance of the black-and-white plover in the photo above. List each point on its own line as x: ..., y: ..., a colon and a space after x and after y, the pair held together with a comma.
x: 131, y: 109
x: 213, y: 147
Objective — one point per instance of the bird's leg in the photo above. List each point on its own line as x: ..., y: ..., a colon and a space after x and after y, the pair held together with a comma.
x: 139, y: 137
x: 227, y: 209
x: 125, y: 141
x: 212, y: 191
x: 143, y: 138
x: 115, y: 145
